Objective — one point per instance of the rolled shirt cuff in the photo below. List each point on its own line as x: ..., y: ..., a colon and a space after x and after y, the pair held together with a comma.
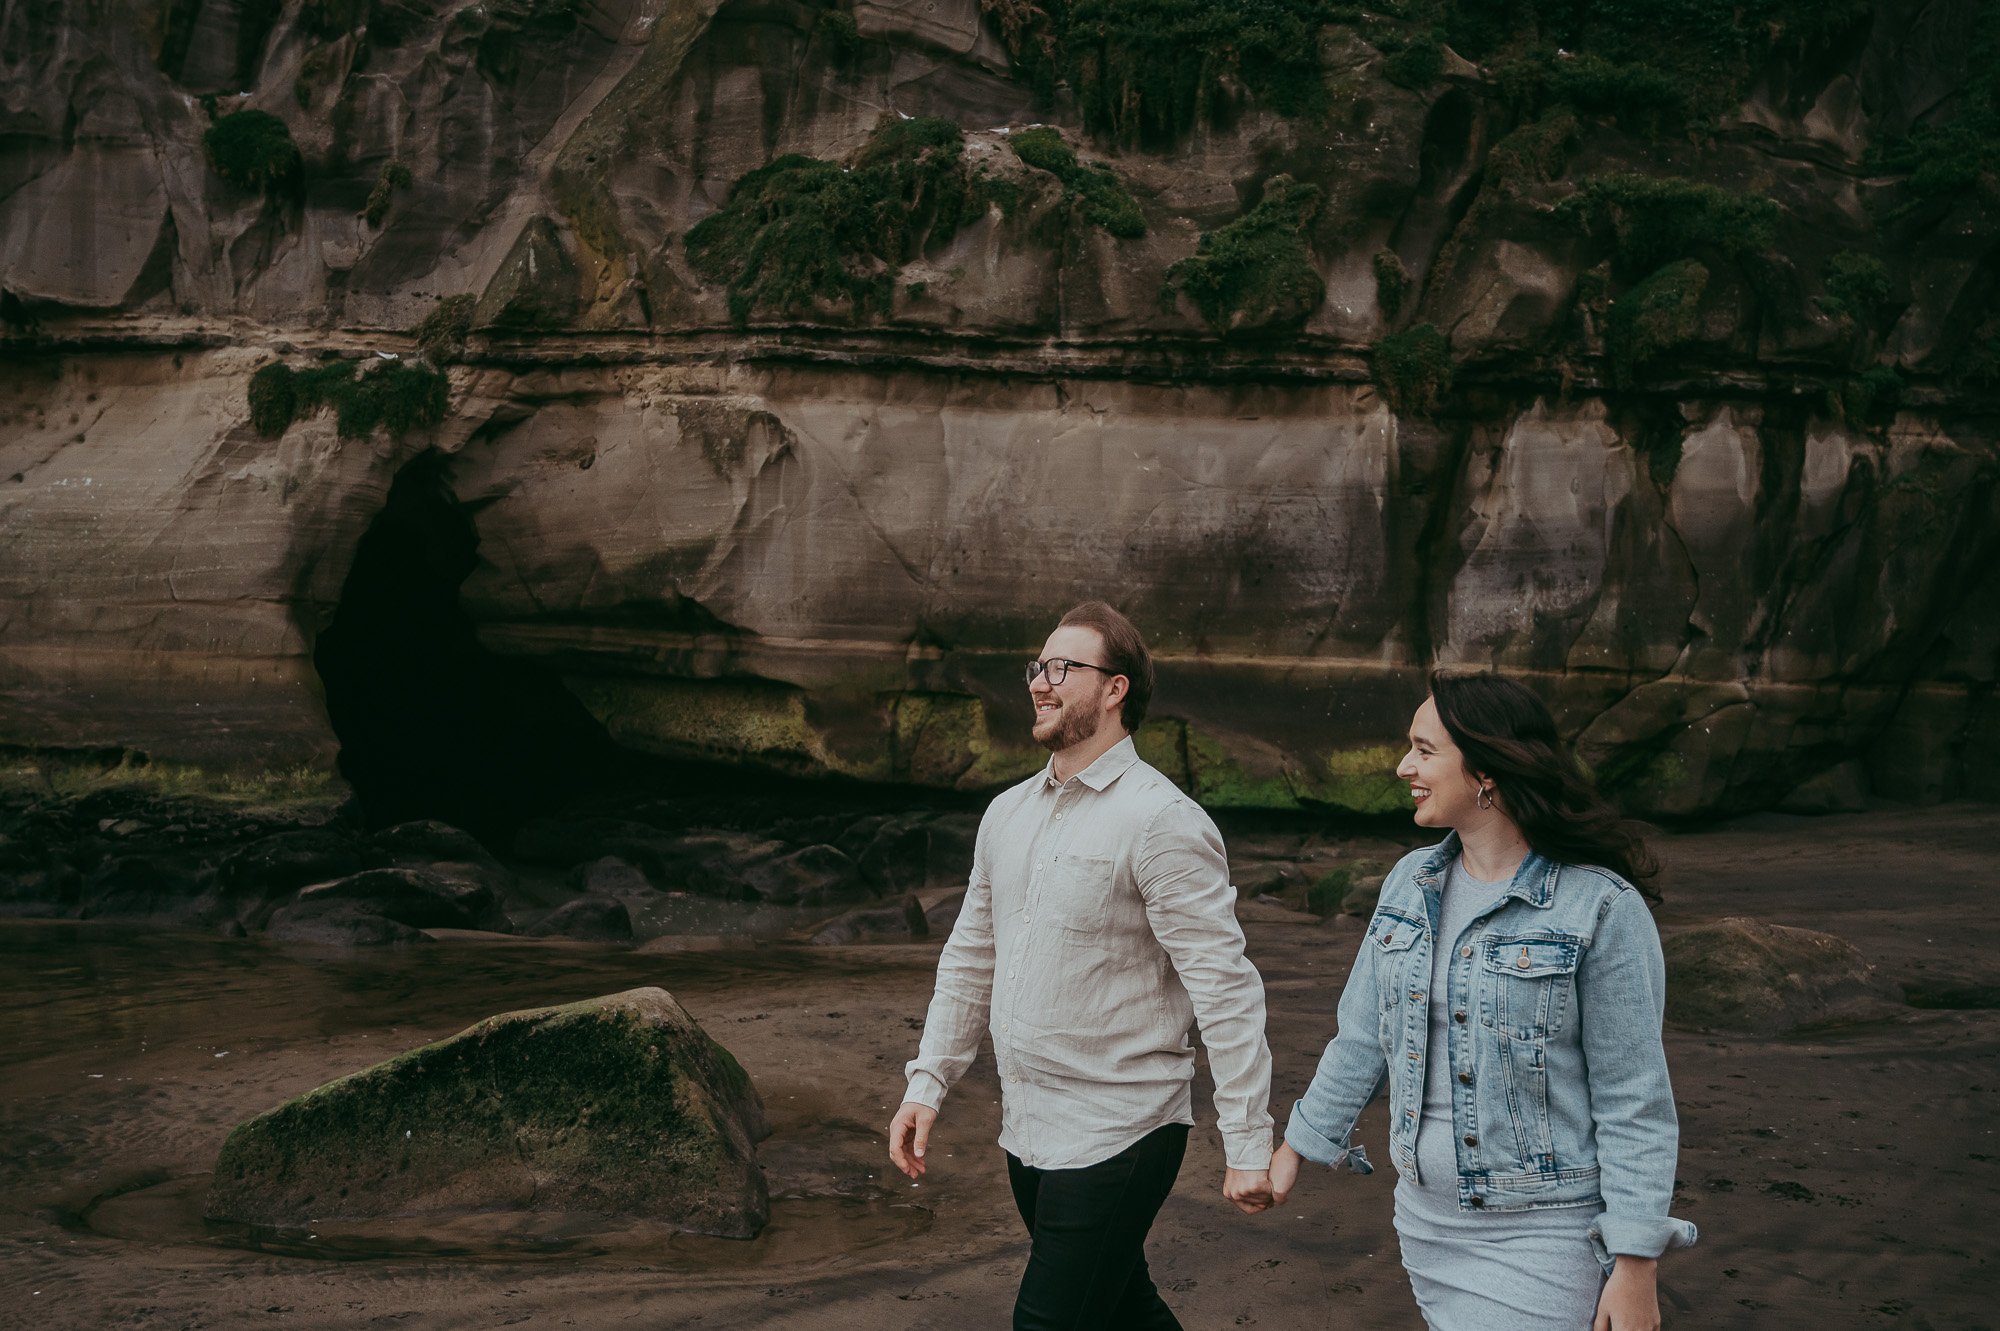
x: 1314, y: 1145
x: 925, y: 1090
x: 1247, y: 1148
x: 1612, y: 1234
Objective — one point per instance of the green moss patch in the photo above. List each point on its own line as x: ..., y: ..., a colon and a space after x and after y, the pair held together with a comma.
x: 1103, y: 198
x: 1649, y: 64
x: 801, y: 230
x: 1653, y: 220
x: 441, y: 334
x: 1413, y: 369
x: 1656, y: 316
x: 1256, y: 272
x: 1392, y: 282
x: 1856, y: 286
x: 1869, y: 399
x: 1147, y: 71
x: 254, y: 150
x: 1958, y: 147
x: 620, y: 1106
x: 392, y: 177
x: 395, y: 394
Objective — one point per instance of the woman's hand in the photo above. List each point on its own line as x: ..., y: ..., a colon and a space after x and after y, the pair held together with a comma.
x: 1631, y: 1298
x: 1284, y: 1173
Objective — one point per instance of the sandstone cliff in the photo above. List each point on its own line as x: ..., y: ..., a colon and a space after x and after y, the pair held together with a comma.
x: 795, y: 382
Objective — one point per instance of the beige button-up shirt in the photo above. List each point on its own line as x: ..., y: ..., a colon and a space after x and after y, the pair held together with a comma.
x: 1100, y: 925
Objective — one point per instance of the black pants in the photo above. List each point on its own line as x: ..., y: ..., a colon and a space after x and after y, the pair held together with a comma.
x: 1087, y: 1268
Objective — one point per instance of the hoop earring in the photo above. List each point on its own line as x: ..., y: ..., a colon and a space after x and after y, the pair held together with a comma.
x: 1484, y: 799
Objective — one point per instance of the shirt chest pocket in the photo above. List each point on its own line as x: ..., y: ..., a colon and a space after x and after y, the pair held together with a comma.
x: 1529, y: 983
x: 1076, y: 893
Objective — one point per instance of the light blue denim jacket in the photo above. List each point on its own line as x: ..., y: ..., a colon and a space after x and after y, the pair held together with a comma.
x: 1560, y: 1094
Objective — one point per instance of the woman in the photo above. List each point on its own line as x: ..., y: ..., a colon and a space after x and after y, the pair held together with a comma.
x: 1510, y: 991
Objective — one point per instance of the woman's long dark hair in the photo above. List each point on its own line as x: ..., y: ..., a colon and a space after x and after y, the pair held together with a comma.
x: 1506, y: 733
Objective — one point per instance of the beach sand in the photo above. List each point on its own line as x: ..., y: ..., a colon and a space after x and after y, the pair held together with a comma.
x: 1841, y: 1179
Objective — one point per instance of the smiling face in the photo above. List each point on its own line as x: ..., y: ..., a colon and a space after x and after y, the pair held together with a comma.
x: 1070, y: 713
x: 1447, y: 795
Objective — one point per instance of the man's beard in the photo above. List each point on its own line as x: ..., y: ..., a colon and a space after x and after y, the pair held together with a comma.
x: 1075, y: 725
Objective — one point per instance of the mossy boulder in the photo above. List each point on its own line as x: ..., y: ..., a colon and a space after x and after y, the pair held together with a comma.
x: 620, y: 1105
x: 1739, y: 974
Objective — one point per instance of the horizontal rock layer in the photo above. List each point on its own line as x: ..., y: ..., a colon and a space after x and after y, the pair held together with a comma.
x: 838, y: 570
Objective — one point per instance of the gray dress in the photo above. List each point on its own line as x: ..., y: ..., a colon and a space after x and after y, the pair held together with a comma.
x: 1484, y: 1270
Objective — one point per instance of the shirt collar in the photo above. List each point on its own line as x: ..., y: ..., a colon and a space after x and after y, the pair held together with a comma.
x: 1110, y: 765
x: 1534, y: 882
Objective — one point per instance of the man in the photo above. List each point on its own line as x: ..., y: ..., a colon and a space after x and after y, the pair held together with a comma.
x: 1098, y: 925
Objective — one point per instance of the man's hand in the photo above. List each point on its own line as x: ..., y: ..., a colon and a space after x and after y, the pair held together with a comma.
x: 1631, y: 1298
x: 1250, y: 1189
x: 909, y: 1134
x: 1284, y: 1173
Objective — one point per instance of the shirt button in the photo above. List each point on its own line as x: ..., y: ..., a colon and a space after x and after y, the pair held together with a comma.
x: 1058, y: 817
x: 1458, y: 1016
x: 1465, y: 952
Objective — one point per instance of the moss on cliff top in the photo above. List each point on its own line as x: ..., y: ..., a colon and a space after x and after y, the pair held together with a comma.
x: 801, y: 229
x: 1256, y: 272
x: 253, y: 149
x: 402, y: 396
x: 1103, y: 198
x: 1958, y: 146
x: 1648, y: 62
x: 1653, y: 220
x: 1147, y: 71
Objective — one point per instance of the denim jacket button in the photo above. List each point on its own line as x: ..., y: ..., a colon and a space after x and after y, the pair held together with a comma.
x: 1471, y: 1140
x: 1465, y: 952
x: 1465, y: 1077
x: 1478, y: 1201
x: 1458, y: 1016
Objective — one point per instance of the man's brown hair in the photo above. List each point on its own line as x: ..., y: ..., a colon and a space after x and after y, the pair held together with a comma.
x: 1124, y: 654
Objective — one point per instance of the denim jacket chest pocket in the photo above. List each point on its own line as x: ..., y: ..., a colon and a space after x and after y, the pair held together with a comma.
x: 1394, y: 937
x: 1527, y: 983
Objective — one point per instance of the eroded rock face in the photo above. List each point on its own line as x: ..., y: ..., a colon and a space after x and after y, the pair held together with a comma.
x: 822, y: 541
x: 619, y: 1105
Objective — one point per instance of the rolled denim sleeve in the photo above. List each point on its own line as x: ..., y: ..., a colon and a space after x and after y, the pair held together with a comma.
x: 1183, y: 876
x: 963, y: 999
x: 1350, y: 1073
x: 1622, y: 996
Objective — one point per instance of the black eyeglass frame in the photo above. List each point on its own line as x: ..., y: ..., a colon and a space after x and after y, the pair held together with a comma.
x: 1055, y: 680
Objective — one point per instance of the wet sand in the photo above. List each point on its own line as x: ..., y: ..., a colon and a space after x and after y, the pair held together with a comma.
x: 1843, y: 1179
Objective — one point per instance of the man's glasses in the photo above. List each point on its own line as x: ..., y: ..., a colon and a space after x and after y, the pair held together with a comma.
x: 1057, y: 669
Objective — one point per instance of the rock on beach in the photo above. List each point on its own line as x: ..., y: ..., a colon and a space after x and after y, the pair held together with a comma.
x: 620, y: 1105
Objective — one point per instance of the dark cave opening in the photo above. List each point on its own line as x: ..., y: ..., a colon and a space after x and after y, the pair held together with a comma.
x: 431, y: 724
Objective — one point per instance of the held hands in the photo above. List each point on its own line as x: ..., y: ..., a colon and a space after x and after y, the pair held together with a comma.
x: 1631, y: 1298
x: 1284, y: 1173
x: 1249, y: 1189
x: 909, y: 1134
